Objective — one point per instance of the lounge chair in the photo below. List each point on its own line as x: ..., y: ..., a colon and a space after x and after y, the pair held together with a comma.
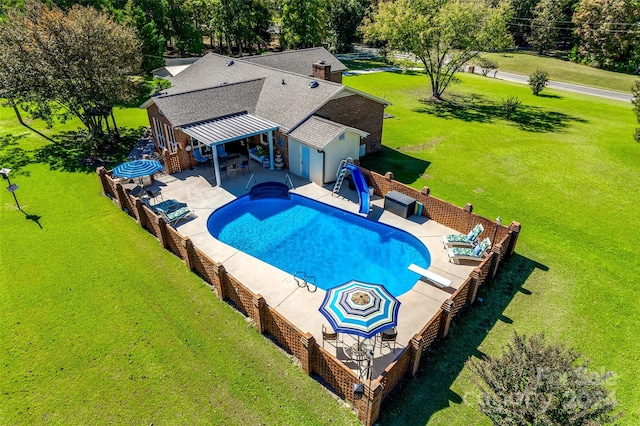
x: 174, y: 215
x: 463, y: 240
x: 202, y: 161
x: 456, y: 254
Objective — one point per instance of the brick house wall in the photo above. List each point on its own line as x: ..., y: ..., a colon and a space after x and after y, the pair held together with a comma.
x: 358, y: 112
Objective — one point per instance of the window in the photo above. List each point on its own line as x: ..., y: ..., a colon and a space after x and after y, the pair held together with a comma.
x: 171, y: 137
x: 264, y: 140
x: 159, y: 134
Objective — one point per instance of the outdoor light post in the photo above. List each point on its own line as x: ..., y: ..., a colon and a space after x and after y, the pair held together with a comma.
x: 498, y: 222
x: 369, y: 367
x: 12, y: 187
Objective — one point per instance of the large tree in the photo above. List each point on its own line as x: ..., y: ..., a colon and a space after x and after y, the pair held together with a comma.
x: 345, y: 18
x: 303, y: 23
x: 545, y: 28
x: 61, y: 64
x: 608, y: 33
x: 539, y: 383
x: 443, y: 34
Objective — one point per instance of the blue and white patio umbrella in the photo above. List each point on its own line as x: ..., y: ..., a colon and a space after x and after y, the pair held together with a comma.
x: 137, y: 168
x: 360, y: 308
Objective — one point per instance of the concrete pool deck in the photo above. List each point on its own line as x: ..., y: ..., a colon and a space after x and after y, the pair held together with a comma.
x: 197, y: 189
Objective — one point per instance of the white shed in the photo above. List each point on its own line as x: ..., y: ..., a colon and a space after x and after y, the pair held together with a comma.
x: 317, y: 146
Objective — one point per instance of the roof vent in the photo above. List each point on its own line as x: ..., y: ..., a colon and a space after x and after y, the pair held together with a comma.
x: 283, y: 83
x: 322, y: 62
x: 230, y: 63
x: 313, y: 84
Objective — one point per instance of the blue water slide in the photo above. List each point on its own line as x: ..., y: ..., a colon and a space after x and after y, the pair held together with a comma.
x: 361, y: 187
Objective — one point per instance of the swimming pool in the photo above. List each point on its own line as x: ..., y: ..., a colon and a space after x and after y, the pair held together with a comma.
x: 335, y: 246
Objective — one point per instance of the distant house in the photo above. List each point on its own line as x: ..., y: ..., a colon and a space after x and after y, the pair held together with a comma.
x: 291, y: 103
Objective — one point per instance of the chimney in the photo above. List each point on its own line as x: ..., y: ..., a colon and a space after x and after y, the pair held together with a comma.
x: 321, y: 70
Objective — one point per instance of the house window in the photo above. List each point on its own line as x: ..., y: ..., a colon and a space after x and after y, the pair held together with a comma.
x: 204, y: 149
x: 159, y: 134
x: 171, y: 137
x: 264, y: 140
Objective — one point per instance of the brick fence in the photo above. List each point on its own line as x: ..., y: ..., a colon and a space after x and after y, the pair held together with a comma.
x: 313, y: 358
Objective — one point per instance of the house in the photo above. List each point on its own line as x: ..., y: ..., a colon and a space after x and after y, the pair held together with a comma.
x: 292, y: 103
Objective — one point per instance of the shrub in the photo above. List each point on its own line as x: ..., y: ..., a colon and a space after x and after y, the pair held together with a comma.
x: 538, y: 80
x: 487, y: 65
x: 535, y: 383
x: 509, y: 106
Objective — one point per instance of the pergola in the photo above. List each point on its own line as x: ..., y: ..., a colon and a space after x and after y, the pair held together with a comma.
x: 228, y: 129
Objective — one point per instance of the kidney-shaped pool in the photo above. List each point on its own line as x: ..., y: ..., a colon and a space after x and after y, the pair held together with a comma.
x: 295, y: 233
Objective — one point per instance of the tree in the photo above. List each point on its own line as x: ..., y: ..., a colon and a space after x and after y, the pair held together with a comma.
x: 538, y: 80
x: 57, y: 64
x: 635, y: 91
x: 152, y: 42
x: 346, y: 17
x: 443, y: 34
x: 303, y: 23
x: 608, y: 33
x: 536, y: 383
x: 544, y: 30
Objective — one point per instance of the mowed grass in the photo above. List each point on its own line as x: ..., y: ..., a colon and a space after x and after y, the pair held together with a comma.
x: 100, y: 325
x: 526, y: 63
x: 567, y: 169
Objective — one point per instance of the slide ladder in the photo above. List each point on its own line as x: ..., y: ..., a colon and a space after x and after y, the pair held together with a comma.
x: 341, y: 174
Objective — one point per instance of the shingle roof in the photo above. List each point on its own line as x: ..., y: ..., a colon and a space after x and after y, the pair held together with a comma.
x: 318, y: 132
x: 205, y: 104
x: 298, y: 61
x: 287, y: 104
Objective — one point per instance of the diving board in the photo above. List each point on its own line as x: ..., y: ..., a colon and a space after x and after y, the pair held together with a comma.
x: 430, y: 276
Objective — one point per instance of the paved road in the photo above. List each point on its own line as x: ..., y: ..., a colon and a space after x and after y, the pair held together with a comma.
x: 507, y: 76
x: 585, y: 90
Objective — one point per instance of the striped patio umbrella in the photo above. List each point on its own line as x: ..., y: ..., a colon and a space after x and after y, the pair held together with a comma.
x: 360, y: 308
x: 137, y: 168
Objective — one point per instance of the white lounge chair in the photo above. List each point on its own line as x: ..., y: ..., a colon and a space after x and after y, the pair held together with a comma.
x: 463, y: 240
x: 456, y: 254
x: 430, y: 276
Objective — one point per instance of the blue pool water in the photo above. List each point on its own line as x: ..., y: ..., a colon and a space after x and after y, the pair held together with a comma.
x: 300, y: 234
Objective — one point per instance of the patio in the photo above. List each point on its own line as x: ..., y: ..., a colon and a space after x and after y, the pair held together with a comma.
x: 197, y: 188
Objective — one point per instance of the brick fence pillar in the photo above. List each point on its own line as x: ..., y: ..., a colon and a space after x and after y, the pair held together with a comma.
x: 120, y: 196
x: 447, y: 312
x: 416, y: 345
x: 218, y: 283
x: 514, y: 228
x: 306, y: 356
x: 102, y: 174
x: 369, y: 406
x: 473, y: 285
x: 259, y: 304
x: 189, y: 253
x: 496, y: 250
x: 139, y: 212
x: 162, y: 231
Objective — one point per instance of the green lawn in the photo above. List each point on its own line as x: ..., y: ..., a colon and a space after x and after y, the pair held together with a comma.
x: 526, y: 63
x: 100, y: 325
x: 567, y: 169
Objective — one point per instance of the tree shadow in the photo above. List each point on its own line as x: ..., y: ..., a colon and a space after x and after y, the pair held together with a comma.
x: 429, y: 391
x: 12, y: 155
x: 74, y: 151
x: 476, y: 108
x: 406, y: 168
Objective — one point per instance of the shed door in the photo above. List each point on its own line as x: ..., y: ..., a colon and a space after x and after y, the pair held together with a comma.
x: 304, y: 161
